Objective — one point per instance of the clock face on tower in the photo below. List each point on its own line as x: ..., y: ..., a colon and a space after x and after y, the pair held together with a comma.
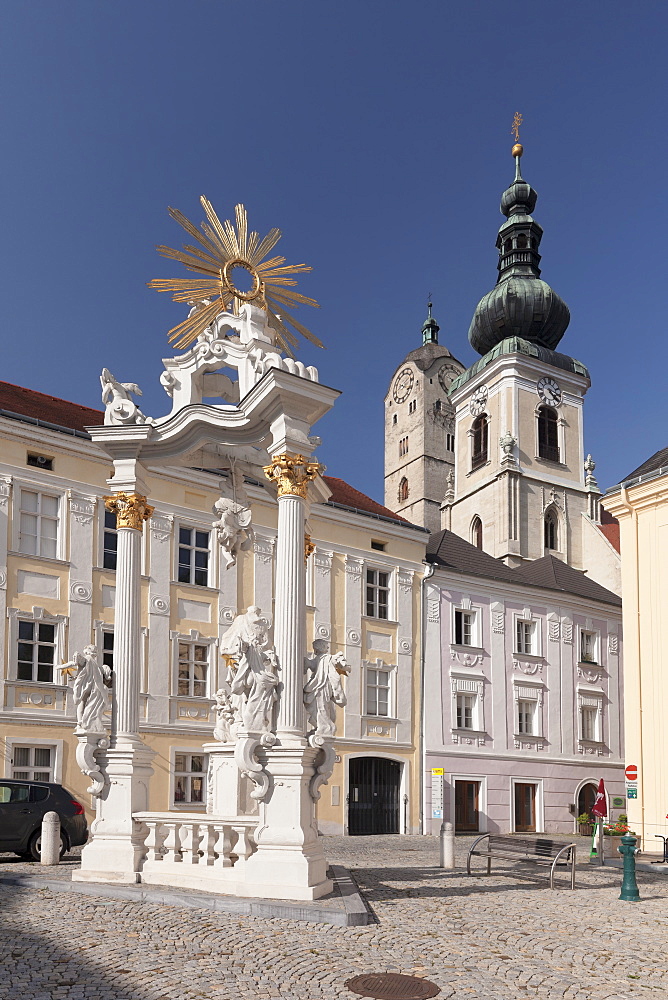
x: 478, y: 401
x: 549, y: 391
x: 403, y: 384
x: 446, y: 376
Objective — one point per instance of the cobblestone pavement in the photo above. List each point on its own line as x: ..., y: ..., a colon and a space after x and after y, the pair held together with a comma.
x: 481, y: 938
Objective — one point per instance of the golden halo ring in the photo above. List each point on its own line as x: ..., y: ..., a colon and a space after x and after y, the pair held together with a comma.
x: 230, y: 287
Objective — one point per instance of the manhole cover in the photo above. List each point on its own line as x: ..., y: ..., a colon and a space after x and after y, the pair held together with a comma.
x: 392, y: 986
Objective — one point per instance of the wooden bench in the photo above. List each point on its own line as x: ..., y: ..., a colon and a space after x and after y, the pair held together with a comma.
x: 538, y: 852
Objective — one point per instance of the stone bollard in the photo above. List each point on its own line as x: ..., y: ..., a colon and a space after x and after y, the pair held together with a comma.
x: 628, y: 851
x: 447, y: 845
x: 50, y: 849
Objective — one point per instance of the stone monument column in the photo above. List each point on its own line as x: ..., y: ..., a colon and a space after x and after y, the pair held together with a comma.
x: 115, y: 850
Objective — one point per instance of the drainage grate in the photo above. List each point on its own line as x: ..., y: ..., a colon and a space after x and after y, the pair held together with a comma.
x: 392, y: 986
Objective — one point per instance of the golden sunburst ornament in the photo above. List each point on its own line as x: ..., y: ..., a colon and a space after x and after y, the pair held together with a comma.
x: 222, y: 250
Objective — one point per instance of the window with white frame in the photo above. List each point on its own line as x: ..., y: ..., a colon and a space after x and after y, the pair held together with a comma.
x: 588, y: 646
x: 109, y: 540
x: 590, y: 710
x: 193, y: 669
x: 526, y: 637
x: 377, y: 593
x: 466, y: 711
x: 194, y: 556
x: 33, y: 763
x: 38, y: 524
x: 526, y: 717
x: 466, y: 627
x: 378, y: 691
x: 189, y: 778
x: 36, y: 651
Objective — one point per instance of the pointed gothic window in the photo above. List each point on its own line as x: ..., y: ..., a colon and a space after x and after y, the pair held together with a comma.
x: 550, y: 526
x: 548, y: 437
x: 479, y: 454
x: 476, y: 532
x: 403, y: 490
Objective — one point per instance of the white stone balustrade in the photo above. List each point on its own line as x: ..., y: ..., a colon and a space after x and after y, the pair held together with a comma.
x: 194, y: 849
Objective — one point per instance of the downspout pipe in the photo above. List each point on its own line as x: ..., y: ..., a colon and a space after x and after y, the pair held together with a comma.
x: 429, y: 572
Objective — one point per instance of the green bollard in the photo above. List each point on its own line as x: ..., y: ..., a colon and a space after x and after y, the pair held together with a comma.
x: 629, y: 885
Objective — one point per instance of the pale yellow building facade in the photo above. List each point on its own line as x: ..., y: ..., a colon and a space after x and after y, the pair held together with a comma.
x: 640, y: 504
x: 57, y: 553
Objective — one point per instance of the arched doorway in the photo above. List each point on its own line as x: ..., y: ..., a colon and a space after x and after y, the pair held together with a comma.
x: 373, y: 795
x: 586, y: 799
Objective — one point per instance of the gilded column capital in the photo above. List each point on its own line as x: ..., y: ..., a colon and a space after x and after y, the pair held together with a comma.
x: 131, y: 509
x: 292, y: 474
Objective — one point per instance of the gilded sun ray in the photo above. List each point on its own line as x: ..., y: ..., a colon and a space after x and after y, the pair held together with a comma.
x: 221, y: 249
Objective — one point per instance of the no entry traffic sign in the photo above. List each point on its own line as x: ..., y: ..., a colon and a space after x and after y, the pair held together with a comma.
x: 631, y: 772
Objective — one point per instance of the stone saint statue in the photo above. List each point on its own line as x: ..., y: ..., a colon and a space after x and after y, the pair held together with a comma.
x: 120, y: 408
x: 323, y: 689
x: 254, y: 684
x: 89, y: 690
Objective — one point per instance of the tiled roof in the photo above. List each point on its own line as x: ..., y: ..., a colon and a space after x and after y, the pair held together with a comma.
x: 48, y: 409
x: 609, y: 526
x: 452, y: 552
x: 347, y: 496
x: 659, y: 460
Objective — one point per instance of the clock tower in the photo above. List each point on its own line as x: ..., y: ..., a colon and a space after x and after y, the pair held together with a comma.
x: 520, y: 489
x: 420, y: 430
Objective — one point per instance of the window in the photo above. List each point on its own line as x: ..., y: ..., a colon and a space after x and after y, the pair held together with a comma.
x: 550, y: 529
x: 379, y: 546
x: 412, y: 406
x: 548, y: 437
x: 450, y: 442
x: 403, y: 490
x: 33, y: 763
x: 522, y: 242
x: 526, y: 711
x: 394, y: 419
x: 194, y: 556
x: 377, y: 593
x: 38, y: 524
x: 437, y: 404
x: 465, y: 628
x: 466, y: 704
x: 588, y: 647
x: 403, y: 446
x: 479, y: 454
x: 189, y: 777
x: 40, y: 462
x: 526, y: 637
x: 377, y: 692
x: 589, y: 723
x: 110, y: 540
x: 193, y: 669
x: 36, y: 651
x: 108, y: 648
x: 476, y: 532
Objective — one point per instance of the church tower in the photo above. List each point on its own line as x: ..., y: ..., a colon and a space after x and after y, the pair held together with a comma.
x: 420, y: 430
x: 520, y: 490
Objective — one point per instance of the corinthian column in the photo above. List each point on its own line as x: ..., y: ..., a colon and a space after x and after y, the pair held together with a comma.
x: 131, y: 511
x: 292, y: 474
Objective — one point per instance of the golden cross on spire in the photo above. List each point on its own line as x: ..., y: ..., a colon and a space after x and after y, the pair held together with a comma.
x: 517, y: 121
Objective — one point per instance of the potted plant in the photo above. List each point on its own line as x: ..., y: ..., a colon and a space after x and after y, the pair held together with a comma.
x: 614, y: 832
x: 585, y: 825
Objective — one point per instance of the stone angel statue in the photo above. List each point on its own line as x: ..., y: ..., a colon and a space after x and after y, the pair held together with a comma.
x: 89, y: 690
x: 323, y: 689
x: 120, y: 408
x: 233, y: 528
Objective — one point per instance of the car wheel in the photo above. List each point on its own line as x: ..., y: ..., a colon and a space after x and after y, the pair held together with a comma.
x: 35, y: 845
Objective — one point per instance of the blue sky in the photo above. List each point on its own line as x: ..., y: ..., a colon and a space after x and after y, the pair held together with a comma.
x: 376, y: 135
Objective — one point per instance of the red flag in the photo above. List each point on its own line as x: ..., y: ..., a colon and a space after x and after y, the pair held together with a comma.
x: 600, y: 808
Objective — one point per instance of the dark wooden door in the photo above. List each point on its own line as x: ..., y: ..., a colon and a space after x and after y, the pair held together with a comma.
x: 373, y: 798
x: 467, y: 795
x: 586, y: 799
x: 525, y: 808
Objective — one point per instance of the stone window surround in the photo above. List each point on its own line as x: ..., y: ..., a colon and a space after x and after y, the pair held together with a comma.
x: 468, y: 683
x: 391, y: 668
x: 537, y: 638
x: 38, y: 486
x: 186, y: 806
x: 36, y: 615
x: 587, y: 629
x: 525, y: 689
x: 590, y: 698
x: 198, y: 525
x: 195, y: 636
x: 391, y: 590
x: 55, y: 744
x: 467, y: 607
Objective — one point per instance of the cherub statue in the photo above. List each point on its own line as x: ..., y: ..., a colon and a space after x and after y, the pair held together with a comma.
x: 120, y: 409
x: 232, y: 528
x: 224, y: 710
x: 323, y: 689
x: 88, y: 690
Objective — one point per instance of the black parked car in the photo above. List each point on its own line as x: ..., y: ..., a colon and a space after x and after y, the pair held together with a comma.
x: 22, y: 808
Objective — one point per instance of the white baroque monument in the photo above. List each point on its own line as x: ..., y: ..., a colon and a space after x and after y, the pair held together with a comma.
x: 264, y: 843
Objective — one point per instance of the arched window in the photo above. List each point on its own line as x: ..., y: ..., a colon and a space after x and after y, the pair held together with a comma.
x: 476, y: 532
x: 403, y: 490
x: 551, y: 525
x: 548, y: 437
x: 479, y: 453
